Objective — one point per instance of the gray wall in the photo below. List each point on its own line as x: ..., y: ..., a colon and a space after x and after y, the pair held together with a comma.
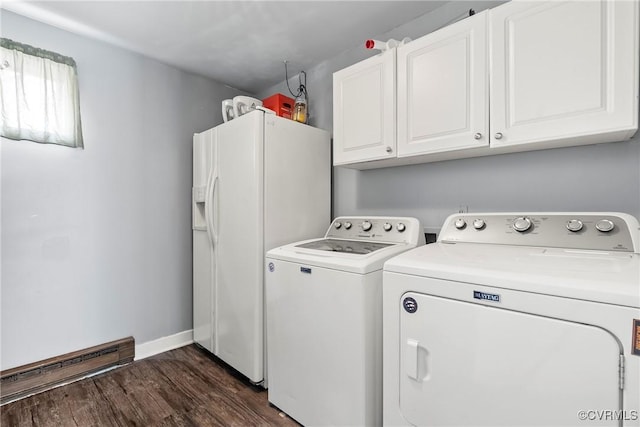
x: 591, y: 178
x: 96, y: 243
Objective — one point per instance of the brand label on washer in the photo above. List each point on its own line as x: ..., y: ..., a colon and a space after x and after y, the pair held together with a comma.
x: 486, y: 297
x: 305, y: 270
x: 635, y: 348
x: 272, y: 267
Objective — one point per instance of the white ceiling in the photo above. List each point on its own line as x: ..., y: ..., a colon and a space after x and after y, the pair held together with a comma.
x: 240, y: 43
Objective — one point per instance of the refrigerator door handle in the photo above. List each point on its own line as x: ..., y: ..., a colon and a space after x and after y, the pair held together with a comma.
x: 211, y: 187
x: 214, y: 233
x: 207, y: 208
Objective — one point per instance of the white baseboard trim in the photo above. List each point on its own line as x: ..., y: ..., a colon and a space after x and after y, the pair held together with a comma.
x: 160, y: 345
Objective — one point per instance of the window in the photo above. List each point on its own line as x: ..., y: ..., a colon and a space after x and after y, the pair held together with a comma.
x: 39, y: 95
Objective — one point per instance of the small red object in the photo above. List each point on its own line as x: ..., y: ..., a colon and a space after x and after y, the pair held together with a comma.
x: 282, y: 105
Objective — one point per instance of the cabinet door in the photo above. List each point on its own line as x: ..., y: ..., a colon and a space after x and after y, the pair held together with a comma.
x: 364, y: 110
x: 563, y: 73
x: 443, y: 89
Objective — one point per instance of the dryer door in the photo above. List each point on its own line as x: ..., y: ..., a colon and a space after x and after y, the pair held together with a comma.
x: 470, y: 364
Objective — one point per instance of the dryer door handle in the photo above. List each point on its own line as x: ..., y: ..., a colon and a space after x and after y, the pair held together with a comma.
x: 416, y: 361
x: 411, y: 359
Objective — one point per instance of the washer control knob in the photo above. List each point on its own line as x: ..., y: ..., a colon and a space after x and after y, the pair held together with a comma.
x: 401, y: 227
x: 521, y: 224
x: 387, y: 226
x: 605, y: 225
x: 347, y: 225
x: 478, y: 224
x: 366, y: 226
x: 460, y: 223
x: 574, y: 225
x: 337, y: 225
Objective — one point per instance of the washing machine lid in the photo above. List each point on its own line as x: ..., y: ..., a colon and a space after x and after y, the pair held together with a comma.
x: 353, y: 256
x: 607, y: 277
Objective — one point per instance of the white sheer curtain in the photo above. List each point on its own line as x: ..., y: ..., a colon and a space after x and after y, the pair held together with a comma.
x: 39, y: 95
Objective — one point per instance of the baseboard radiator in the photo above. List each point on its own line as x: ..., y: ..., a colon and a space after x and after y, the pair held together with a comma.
x: 40, y: 376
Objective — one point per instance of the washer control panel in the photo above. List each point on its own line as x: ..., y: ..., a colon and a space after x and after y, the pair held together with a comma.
x: 384, y: 229
x: 593, y: 231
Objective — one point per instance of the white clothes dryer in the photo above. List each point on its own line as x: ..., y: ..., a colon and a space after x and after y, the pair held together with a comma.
x: 514, y: 319
x: 324, y: 319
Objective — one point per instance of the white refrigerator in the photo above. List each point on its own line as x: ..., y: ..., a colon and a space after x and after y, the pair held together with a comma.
x: 259, y: 181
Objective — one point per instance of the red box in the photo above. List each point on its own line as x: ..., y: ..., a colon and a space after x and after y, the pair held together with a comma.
x: 282, y: 105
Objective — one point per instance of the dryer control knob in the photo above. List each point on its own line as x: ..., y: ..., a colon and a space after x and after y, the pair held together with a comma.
x: 521, y: 224
x: 347, y: 225
x: 337, y: 225
x: 401, y: 227
x: 387, y: 226
x: 460, y: 223
x: 574, y: 225
x: 366, y: 226
x: 605, y: 225
x: 479, y: 224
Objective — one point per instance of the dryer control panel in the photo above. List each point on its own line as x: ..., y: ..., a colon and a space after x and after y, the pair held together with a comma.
x: 606, y: 231
x: 376, y: 228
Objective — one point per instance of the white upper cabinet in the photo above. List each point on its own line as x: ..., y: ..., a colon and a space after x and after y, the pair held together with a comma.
x: 525, y: 75
x: 364, y: 110
x: 563, y: 73
x: 443, y: 90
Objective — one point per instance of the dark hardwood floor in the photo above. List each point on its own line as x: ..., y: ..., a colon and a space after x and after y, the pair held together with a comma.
x: 182, y: 387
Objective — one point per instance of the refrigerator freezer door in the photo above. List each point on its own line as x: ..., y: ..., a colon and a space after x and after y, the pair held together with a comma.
x: 203, y: 263
x: 238, y: 221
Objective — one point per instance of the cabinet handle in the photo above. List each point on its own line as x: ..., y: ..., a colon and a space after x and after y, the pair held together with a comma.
x: 477, y: 135
x: 389, y: 149
x: 498, y: 135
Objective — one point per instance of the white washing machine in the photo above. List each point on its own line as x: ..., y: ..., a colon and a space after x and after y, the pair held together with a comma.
x: 514, y: 319
x: 324, y: 318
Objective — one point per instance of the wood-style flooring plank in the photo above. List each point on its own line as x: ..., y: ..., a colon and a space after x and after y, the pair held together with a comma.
x: 183, y: 387
x: 19, y: 416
